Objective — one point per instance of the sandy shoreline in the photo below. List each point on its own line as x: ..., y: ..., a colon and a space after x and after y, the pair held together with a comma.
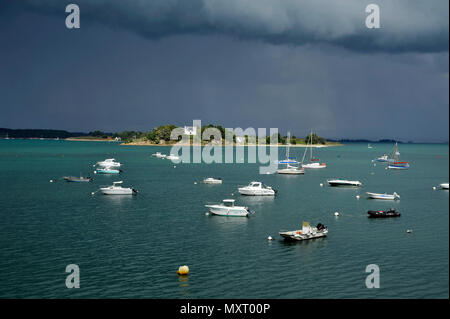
x: 278, y: 145
x: 88, y: 140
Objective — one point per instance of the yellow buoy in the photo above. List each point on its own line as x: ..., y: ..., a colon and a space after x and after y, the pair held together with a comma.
x: 183, y: 270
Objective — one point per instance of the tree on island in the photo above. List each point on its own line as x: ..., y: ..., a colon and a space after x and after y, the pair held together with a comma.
x: 315, y: 139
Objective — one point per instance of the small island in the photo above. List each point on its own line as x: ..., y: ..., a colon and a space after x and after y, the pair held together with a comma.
x: 160, y: 136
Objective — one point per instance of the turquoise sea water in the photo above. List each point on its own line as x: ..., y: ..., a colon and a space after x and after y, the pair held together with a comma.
x: 131, y: 247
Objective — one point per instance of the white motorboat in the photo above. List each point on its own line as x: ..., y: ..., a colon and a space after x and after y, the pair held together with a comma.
x: 385, y: 158
x: 383, y: 196
x: 173, y: 158
x: 212, y: 180
x: 116, y: 189
x: 313, y: 162
x: 159, y: 155
x: 343, y: 182
x: 227, y: 208
x: 109, y: 162
x: 307, y: 232
x: 369, y: 146
x: 257, y: 189
x: 444, y: 185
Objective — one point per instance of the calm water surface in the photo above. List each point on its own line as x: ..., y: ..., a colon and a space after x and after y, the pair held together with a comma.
x: 131, y: 247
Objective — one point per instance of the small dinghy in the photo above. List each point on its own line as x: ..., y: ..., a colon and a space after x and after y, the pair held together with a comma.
x: 307, y: 232
x: 383, y: 214
x: 77, y: 179
x: 444, y: 185
x: 212, y: 180
x: 383, y: 196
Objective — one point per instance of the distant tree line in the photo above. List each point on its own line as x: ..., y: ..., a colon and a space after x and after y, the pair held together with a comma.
x: 36, y: 133
x: 156, y: 135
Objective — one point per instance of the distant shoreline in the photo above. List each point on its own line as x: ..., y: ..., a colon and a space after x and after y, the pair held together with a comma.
x: 277, y: 145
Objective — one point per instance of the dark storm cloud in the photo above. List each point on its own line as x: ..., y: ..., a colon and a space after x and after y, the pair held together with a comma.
x: 419, y: 26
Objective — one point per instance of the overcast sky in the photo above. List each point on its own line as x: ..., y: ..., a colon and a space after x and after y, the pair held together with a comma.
x: 291, y: 64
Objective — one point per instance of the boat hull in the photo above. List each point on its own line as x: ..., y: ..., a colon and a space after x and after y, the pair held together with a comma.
x: 256, y: 192
x: 344, y: 183
x: 314, y: 165
x: 123, y: 191
x: 78, y: 179
x: 230, y: 212
x: 382, y: 214
x: 297, y: 235
x: 444, y: 185
x: 383, y: 196
x: 107, y: 171
x: 212, y: 181
x: 290, y: 171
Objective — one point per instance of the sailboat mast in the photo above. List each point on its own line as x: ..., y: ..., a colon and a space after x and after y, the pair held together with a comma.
x: 395, y: 152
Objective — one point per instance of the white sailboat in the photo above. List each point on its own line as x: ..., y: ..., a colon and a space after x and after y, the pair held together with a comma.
x: 396, y: 164
x: 313, y: 162
x: 290, y: 169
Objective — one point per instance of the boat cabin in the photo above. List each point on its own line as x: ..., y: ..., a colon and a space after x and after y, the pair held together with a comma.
x: 228, y: 202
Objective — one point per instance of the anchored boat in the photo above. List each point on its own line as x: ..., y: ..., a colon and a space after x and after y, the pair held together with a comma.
x: 383, y: 196
x: 212, y: 180
x: 444, y: 185
x: 116, y: 189
x: 383, y: 214
x: 159, y: 155
x: 257, y: 189
x: 173, y: 158
x: 227, y: 208
x: 77, y: 179
x: 290, y: 169
x: 344, y: 182
x: 108, y: 170
x: 384, y: 159
x: 109, y: 162
x: 307, y: 232
x: 396, y: 164
x: 313, y: 162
